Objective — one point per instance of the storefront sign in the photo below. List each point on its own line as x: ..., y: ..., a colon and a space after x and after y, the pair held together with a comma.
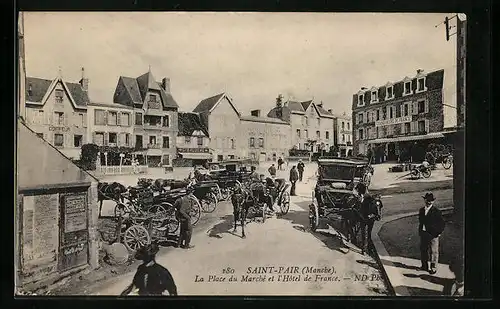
x: 193, y: 150
x: 61, y: 129
x: 75, y: 217
x: 386, y: 122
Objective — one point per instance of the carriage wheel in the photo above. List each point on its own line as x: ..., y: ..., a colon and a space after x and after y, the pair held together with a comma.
x: 195, y: 212
x: 285, y: 203
x: 415, y: 173
x: 159, y: 211
x: 209, y: 203
x: 172, y: 221
x: 446, y: 163
x: 313, y: 217
x: 135, y: 237
x: 426, y: 173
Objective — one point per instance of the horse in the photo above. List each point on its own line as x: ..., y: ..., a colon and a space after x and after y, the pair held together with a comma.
x: 241, y: 200
x: 110, y: 191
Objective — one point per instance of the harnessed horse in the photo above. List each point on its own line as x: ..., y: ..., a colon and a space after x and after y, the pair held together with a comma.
x: 109, y: 191
x: 241, y: 200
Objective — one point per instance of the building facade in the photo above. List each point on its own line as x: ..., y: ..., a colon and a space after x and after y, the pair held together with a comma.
x: 222, y: 121
x: 310, y: 124
x: 193, y: 140
x: 154, y: 117
x: 268, y: 138
x: 57, y: 111
x: 342, y: 132
x: 398, y: 120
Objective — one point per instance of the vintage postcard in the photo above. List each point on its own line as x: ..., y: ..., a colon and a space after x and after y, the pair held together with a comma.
x: 227, y: 153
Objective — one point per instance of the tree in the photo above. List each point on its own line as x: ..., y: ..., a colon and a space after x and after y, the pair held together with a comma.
x: 89, y: 156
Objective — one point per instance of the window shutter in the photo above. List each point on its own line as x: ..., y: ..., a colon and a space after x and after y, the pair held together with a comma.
x: 118, y: 123
x: 415, y: 108
x: 426, y: 106
x: 426, y: 125
x: 106, y: 138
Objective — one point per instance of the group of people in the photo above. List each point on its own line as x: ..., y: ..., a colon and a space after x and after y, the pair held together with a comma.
x: 296, y: 173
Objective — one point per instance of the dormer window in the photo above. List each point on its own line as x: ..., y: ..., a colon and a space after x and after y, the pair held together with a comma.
x: 421, y: 85
x: 407, y: 88
x: 361, y: 99
x: 390, y: 92
x: 152, y: 98
x: 374, y: 96
x: 59, y: 94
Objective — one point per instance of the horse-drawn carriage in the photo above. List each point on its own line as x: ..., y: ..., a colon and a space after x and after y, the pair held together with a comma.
x: 438, y: 153
x: 334, y: 196
x: 225, y: 174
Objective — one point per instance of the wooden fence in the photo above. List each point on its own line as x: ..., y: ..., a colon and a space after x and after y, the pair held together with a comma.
x: 122, y: 170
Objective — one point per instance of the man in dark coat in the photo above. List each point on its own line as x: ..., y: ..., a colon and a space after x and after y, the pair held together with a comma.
x: 183, y: 208
x: 294, y: 176
x: 370, y: 213
x: 280, y: 163
x: 272, y: 170
x: 151, y: 278
x: 300, y: 169
x: 431, y: 225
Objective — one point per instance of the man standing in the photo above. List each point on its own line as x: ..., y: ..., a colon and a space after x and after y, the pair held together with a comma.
x: 294, y: 176
x: 183, y: 208
x: 254, y: 176
x: 370, y: 213
x: 280, y: 163
x: 151, y: 278
x: 272, y: 170
x: 300, y: 169
x: 431, y: 225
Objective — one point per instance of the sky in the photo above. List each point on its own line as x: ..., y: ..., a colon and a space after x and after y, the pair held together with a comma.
x: 252, y: 57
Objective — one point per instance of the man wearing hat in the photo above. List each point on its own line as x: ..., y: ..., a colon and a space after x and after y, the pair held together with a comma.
x: 183, y: 208
x: 431, y: 225
x: 151, y: 278
x: 300, y: 169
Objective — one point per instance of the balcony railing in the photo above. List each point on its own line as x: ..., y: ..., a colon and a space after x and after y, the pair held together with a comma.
x: 154, y: 146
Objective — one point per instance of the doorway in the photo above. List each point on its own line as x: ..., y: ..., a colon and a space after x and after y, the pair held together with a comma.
x: 391, y: 152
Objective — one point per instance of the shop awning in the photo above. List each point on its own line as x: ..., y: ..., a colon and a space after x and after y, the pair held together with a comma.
x: 407, y: 138
x: 196, y: 155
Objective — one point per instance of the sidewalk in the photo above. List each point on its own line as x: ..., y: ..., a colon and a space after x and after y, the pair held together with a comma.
x: 398, y: 250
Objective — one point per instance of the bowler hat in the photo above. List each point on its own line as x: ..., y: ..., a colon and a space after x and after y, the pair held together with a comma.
x: 147, y: 251
x: 429, y: 196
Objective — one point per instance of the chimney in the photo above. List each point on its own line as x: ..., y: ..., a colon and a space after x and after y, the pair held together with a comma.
x: 330, y: 111
x: 165, y: 84
x: 363, y: 88
x: 255, y: 113
x: 320, y: 104
x: 420, y: 71
x: 84, y: 82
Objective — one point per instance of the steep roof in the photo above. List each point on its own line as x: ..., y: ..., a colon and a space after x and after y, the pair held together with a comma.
x: 433, y: 81
x: 40, y: 86
x: 294, y: 107
x: 190, y: 122
x: 130, y: 91
x: 39, y: 164
x: 207, y: 104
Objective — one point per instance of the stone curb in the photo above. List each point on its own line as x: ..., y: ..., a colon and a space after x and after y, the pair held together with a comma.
x: 380, y: 248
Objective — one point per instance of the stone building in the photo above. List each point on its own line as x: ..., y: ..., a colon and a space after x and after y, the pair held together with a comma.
x: 268, y: 138
x: 311, y: 125
x: 57, y: 111
x: 399, y: 119
x: 342, y: 131
x: 193, y: 141
x: 222, y: 121
x: 154, y: 117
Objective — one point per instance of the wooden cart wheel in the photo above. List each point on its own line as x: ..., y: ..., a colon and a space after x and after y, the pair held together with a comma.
x: 171, y: 217
x: 209, y: 203
x: 285, y: 203
x: 195, y: 212
x: 135, y: 237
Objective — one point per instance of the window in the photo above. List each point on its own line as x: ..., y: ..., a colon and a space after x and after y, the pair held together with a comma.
x: 138, y: 119
x: 127, y: 139
x: 319, y: 122
x: 348, y: 125
x: 252, y: 140
x: 152, y: 98
x: 421, y: 126
x: 59, y: 118
x: 112, y: 138
x: 166, y: 159
x: 152, y: 140
x: 318, y: 135
x: 200, y: 141
x: 407, y: 128
x: 390, y: 130
x: 39, y: 117
x: 187, y: 139
x: 166, y: 121
x: 220, y: 157
x: 233, y: 145
x: 166, y: 142
x: 367, y: 132
x: 390, y: 92
x: 77, y: 140
x: 99, y: 138
x: 59, y: 95
x: 391, y: 112
x: 81, y: 120
x: 360, y: 118
x: 406, y: 110
x: 125, y: 119
x: 374, y: 96
x: 327, y: 135
x: 99, y: 117
x: 261, y: 142
x: 343, y: 137
x: 360, y: 134
x: 298, y: 133
x: 40, y: 135
x: 421, y: 84
x: 407, y: 86
x: 306, y: 120
x: 378, y: 114
x: 421, y: 107
x: 138, y: 141
x: 112, y: 118
x: 58, y: 140
x: 343, y: 125
x: 306, y: 134
x: 361, y: 99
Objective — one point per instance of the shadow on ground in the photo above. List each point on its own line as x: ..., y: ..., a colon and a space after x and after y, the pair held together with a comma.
x: 300, y: 222
x: 415, y: 186
x: 227, y: 226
